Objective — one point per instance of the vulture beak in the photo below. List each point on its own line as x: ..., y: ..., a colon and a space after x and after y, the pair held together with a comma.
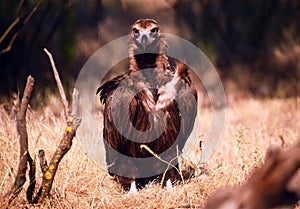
x: 145, y: 39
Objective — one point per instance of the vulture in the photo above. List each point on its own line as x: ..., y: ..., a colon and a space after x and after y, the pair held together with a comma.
x: 149, y: 112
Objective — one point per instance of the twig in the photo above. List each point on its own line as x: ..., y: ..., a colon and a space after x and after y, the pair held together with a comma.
x: 44, y: 167
x: 8, y: 48
x: 59, y: 85
x: 32, y: 11
x: 75, y: 104
x: 143, y: 146
x: 42, y: 158
x: 19, y: 19
x: 21, y: 108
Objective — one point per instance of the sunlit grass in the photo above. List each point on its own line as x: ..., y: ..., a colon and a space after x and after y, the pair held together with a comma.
x: 252, y: 125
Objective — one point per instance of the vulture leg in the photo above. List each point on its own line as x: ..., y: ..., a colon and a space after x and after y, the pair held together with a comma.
x: 133, y: 189
x: 169, y: 185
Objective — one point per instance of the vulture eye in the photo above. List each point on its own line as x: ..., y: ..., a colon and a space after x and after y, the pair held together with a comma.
x: 135, y: 31
x: 154, y: 30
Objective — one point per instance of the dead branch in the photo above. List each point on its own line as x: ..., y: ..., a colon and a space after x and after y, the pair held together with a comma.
x: 50, y: 171
x: 20, y: 21
x: 64, y: 146
x: 275, y: 185
x: 73, y: 122
x: 32, y: 180
x: 20, y: 109
x: 59, y: 85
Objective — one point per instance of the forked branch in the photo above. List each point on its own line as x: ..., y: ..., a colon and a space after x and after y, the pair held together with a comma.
x: 48, y: 170
x: 64, y: 146
x: 73, y: 122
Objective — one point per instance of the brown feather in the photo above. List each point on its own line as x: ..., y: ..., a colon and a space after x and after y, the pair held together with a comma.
x: 149, y: 106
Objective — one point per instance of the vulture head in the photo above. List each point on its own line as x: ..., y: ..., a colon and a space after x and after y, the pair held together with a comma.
x: 145, y: 34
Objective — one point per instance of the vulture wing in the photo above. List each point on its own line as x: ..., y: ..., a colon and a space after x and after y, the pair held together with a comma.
x: 137, y: 113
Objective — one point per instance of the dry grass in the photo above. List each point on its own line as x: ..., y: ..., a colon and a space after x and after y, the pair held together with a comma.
x: 252, y: 125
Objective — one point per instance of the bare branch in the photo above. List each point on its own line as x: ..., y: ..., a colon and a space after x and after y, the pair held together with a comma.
x: 8, y: 48
x: 73, y: 122
x: 32, y: 11
x: 19, y: 20
x: 32, y: 180
x: 64, y: 146
x: 59, y: 85
x: 13, y: 24
x: 25, y: 157
x: 44, y: 167
x: 50, y: 171
x: 43, y: 161
x: 75, y: 102
x: 75, y: 109
x: 19, y: 10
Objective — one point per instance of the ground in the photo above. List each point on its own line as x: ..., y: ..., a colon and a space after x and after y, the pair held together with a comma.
x: 252, y: 125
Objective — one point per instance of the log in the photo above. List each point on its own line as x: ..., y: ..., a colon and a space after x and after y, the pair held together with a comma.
x: 276, y: 184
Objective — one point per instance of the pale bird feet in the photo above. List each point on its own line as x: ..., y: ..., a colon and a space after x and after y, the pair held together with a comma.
x: 133, y: 189
x: 169, y: 185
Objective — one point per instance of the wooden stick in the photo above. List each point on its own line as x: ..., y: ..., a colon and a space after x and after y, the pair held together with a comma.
x: 20, y: 110
x: 59, y: 85
x: 32, y: 179
x: 73, y: 122
x: 50, y: 170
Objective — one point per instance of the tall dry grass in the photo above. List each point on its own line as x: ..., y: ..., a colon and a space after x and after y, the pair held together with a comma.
x: 252, y: 125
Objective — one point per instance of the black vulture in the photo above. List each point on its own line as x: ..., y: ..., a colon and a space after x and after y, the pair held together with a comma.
x: 153, y: 104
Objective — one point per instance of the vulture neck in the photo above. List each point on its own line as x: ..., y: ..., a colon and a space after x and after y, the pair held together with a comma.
x: 152, y: 58
x: 143, y: 61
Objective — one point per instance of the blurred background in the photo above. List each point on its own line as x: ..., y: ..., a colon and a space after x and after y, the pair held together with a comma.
x: 254, y: 44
